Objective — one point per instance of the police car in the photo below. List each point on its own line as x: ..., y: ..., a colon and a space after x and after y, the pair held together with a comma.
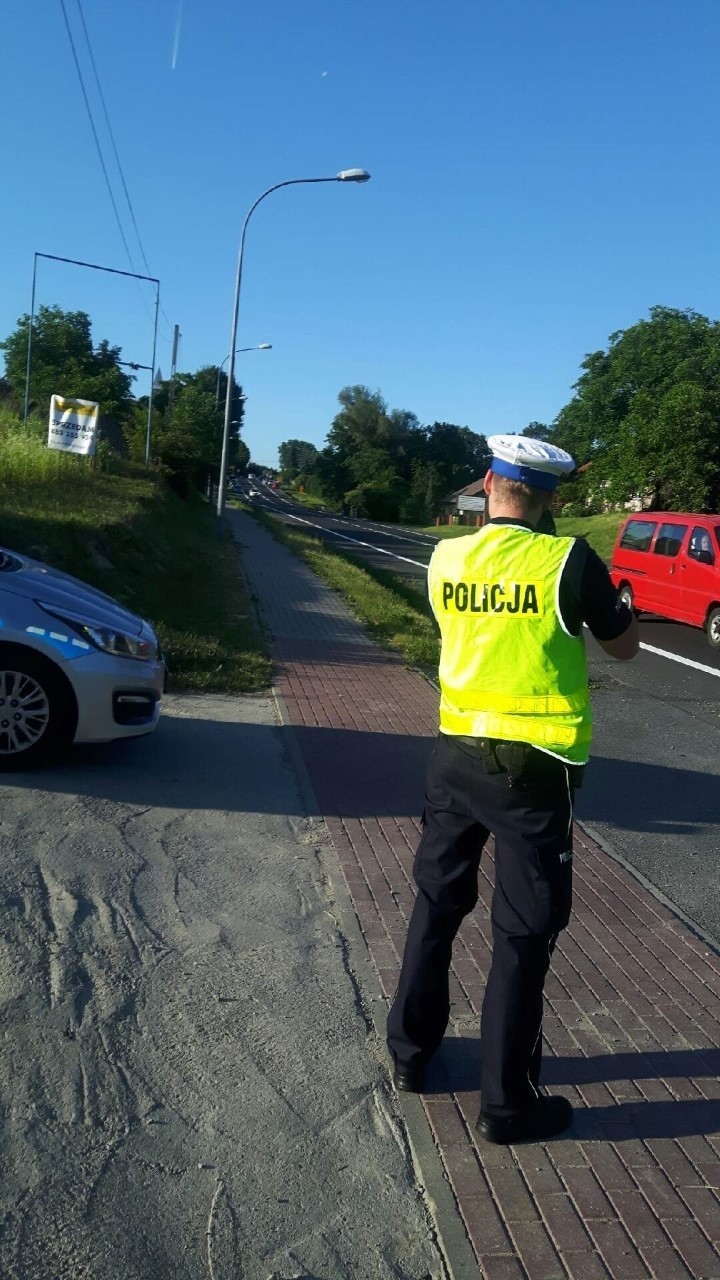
x: 75, y: 665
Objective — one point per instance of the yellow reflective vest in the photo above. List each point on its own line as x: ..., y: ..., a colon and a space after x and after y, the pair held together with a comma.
x: 508, y: 666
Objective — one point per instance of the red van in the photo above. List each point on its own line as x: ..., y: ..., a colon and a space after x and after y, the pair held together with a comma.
x: 669, y: 563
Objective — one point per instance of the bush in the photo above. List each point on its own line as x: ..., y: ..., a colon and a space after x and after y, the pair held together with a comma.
x: 373, y: 501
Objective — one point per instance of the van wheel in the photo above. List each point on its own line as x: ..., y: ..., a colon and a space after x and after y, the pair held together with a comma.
x: 628, y: 599
x: 712, y: 628
x: 37, y: 712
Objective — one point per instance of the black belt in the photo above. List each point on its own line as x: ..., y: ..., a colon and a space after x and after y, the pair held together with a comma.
x: 499, y: 755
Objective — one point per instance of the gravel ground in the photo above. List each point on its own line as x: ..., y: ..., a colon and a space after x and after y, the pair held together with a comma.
x: 190, y: 1084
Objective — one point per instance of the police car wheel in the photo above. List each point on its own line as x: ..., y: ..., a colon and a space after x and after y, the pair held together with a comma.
x: 37, y: 713
x: 712, y: 628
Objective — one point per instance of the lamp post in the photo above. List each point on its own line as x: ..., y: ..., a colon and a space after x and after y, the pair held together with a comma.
x: 234, y: 423
x: 345, y: 175
x: 263, y: 346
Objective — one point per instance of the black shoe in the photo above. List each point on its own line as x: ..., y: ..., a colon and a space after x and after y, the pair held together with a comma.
x: 409, y: 1077
x: 545, y: 1119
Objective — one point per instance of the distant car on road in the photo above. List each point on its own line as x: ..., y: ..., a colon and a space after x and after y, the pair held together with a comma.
x: 75, y: 666
x: 254, y: 493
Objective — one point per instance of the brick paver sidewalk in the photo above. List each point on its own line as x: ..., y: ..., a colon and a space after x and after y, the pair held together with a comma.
x: 631, y: 1029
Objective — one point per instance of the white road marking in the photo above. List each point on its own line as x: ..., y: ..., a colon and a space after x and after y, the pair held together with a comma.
x: 685, y: 662
x: 397, y: 532
x: 422, y: 537
x: 346, y: 538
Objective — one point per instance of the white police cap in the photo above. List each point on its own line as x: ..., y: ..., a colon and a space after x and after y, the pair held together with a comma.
x: 532, y: 461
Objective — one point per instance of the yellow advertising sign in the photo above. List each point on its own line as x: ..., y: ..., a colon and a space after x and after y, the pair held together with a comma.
x: 73, y: 425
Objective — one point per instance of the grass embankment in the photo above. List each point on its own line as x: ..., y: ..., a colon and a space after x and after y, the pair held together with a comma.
x: 130, y: 536
x: 307, y: 500
x: 396, y: 614
x: 600, y: 531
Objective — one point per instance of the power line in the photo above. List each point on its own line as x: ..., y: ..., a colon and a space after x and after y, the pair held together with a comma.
x: 100, y: 152
x: 106, y: 114
x: 95, y: 136
x: 112, y: 137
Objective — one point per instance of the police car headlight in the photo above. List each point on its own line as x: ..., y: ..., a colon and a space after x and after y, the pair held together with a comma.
x: 121, y: 644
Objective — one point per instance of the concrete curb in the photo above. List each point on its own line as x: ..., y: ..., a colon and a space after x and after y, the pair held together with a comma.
x: 459, y: 1256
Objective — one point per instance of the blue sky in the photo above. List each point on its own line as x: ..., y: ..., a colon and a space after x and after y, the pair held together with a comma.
x: 543, y: 171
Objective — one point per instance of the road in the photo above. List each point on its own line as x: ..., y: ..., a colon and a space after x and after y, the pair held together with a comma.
x: 653, y: 788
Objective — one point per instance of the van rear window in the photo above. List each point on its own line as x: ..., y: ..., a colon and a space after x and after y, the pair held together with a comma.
x: 638, y: 535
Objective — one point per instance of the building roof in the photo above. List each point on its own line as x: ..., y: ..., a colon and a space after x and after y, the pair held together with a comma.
x: 470, y: 491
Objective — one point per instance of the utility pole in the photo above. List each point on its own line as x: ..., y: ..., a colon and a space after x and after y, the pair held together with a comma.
x: 173, y: 371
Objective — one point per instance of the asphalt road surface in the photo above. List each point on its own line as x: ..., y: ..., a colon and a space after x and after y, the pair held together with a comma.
x: 190, y: 1082
x: 652, y: 790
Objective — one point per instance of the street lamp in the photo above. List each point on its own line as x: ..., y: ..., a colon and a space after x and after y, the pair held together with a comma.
x: 263, y: 346
x: 235, y: 423
x: 345, y: 175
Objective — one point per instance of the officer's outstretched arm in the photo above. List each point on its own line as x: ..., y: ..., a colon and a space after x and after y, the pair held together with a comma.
x: 623, y: 647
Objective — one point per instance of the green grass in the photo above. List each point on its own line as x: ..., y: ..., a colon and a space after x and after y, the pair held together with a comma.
x: 130, y: 536
x: 395, y: 613
x: 600, y: 531
x: 306, y: 499
x: 449, y: 530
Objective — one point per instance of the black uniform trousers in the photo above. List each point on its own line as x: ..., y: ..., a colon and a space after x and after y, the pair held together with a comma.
x: 525, y: 798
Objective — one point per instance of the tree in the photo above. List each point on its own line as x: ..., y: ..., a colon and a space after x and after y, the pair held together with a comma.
x: 242, y: 456
x: 358, y: 435
x: 380, y: 460
x: 461, y: 455
x: 425, y: 495
x: 332, y: 475
x: 536, y: 430
x: 405, y: 440
x: 65, y: 362
x: 362, y: 420
x: 206, y: 380
x: 187, y: 440
x: 297, y: 457
x: 182, y: 442
x: 361, y: 459
x: 646, y: 413
x: 190, y: 436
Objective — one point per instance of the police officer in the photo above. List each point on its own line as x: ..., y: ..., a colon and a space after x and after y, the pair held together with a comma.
x: 515, y: 729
